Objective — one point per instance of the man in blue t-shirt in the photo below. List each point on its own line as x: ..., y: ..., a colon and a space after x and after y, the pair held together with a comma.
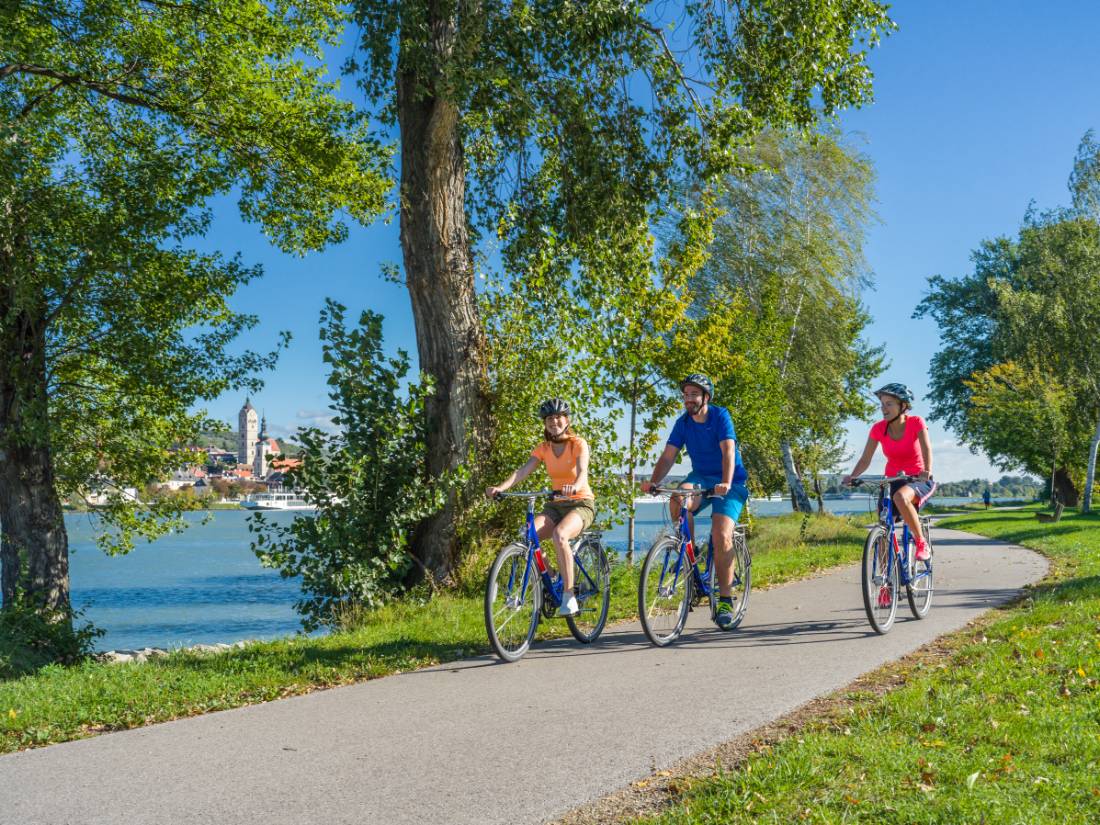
x: 707, y: 432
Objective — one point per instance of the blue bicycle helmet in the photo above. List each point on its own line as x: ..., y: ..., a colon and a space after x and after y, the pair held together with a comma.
x: 899, y: 391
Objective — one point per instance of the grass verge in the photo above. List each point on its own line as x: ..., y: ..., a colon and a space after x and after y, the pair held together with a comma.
x: 58, y: 703
x: 998, y: 723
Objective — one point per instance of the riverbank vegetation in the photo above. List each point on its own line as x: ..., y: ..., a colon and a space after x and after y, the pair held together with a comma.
x: 1001, y: 728
x: 58, y: 703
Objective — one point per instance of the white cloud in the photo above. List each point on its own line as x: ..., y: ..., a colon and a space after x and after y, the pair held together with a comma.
x: 321, y: 419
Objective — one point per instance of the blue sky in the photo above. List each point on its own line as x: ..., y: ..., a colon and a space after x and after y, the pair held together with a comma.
x: 979, y: 109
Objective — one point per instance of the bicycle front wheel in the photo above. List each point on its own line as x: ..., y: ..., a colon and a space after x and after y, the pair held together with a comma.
x: 880, y: 581
x: 513, y: 596
x: 592, y: 586
x: 664, y: 591
x: 741, y: 584
x: 919, y: 590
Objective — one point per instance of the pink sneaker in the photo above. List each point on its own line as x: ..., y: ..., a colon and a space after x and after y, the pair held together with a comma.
x: 922, y: 553
x: 884, y: 596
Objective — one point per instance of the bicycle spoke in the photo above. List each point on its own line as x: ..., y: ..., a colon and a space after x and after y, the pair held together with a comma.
x: 506, y: 597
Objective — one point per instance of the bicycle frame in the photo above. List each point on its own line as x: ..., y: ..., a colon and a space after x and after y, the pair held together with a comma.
x: 535, y: 556
x: 687, y: 548
x: 887, y: 520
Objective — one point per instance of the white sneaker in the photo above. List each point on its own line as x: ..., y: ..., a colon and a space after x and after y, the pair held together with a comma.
x: 569, y: 607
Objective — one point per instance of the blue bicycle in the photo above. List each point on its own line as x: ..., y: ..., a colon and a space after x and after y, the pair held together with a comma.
x: 520, y: 588
x: 675, y: 576
x: 888, y: 562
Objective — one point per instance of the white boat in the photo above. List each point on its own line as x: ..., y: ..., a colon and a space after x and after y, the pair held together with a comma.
x: 277, y: 501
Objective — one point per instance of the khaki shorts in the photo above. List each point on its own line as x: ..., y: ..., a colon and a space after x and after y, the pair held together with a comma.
x: 583, y: 507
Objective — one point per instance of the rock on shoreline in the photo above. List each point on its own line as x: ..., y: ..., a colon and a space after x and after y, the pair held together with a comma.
x: 144, y: 654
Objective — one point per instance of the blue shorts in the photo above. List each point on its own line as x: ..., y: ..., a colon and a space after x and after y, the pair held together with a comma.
x: 731, y: 504
x: 923, y: 489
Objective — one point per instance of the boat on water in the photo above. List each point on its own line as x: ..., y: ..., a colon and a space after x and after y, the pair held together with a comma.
x: 277, y: 501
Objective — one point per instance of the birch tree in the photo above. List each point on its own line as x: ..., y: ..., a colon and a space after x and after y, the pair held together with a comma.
x: 791, y: 240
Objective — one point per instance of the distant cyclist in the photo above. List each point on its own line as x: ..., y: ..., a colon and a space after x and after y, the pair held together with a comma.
x: 904, y: 440
x: 565, y: 517
x: 707, y: 431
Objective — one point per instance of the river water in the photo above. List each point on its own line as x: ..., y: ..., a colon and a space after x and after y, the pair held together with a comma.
x: 204, y: 585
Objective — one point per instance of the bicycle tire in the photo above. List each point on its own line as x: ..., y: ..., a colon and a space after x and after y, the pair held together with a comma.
x: 878, y: 583
x: 921, y: 584
x: 593, y: 591
x: 664, y: 596
x: 507, y: 604
x: 741, y: 585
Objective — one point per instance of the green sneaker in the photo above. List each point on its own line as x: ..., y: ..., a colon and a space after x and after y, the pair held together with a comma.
x: 725, y: 614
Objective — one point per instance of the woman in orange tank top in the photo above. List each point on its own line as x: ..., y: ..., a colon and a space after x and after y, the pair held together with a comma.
x: 565, y: 455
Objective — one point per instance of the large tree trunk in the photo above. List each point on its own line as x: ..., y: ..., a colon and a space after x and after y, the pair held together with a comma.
x: 34, y: 548
x: 1090, y: 475
x: 439, y: 274
x: 800, y: 502
x: 1065, y: 490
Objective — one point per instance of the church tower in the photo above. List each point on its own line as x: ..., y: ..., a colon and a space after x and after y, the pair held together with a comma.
x: 263, y: 450
x: 247, y: 431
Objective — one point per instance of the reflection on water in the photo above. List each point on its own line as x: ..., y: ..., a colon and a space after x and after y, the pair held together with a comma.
x: 204, y: 584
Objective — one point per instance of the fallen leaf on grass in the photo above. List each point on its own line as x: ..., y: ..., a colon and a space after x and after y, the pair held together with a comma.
x: 970, y: 780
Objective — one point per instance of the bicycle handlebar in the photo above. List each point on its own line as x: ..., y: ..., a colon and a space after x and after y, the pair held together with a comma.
x: 683, y: 491
x: 532, y: 494
x: 880, y: 480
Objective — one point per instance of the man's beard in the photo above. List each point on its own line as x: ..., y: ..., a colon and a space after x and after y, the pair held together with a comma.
x: 693, y: 407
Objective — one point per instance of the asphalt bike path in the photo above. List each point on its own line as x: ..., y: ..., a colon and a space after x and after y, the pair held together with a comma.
x: 479, y: 741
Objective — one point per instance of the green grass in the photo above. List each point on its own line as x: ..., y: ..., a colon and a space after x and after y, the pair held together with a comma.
x: 1005, y: 729
x: 60, y: 703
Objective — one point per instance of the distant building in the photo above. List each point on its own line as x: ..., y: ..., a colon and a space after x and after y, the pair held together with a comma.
x: 216, y: 455
x: 182, y: 478
x: 265, y: 448
x: 247, y: 423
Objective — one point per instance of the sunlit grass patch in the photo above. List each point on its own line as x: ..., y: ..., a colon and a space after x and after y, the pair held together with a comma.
x: 1006, y: 729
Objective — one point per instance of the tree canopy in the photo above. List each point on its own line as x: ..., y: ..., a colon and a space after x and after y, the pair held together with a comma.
x: 119, y: 121
x: 550, y: 130
x: 1016, y: 342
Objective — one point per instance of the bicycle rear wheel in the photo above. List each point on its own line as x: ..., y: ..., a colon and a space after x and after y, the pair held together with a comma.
x: 880, y: 581
x: 664, y: 591
x: 512, y: 604
x: 742, y: 581
x: 592, y: 585
x: 919, y: 590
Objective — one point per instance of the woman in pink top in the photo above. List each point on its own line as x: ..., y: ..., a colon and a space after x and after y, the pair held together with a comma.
x: 565, y: 455
x: 904, y: 440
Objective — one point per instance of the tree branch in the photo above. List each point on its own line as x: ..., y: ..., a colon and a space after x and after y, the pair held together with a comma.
x: 685, y: 81
x: 103, y: 88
